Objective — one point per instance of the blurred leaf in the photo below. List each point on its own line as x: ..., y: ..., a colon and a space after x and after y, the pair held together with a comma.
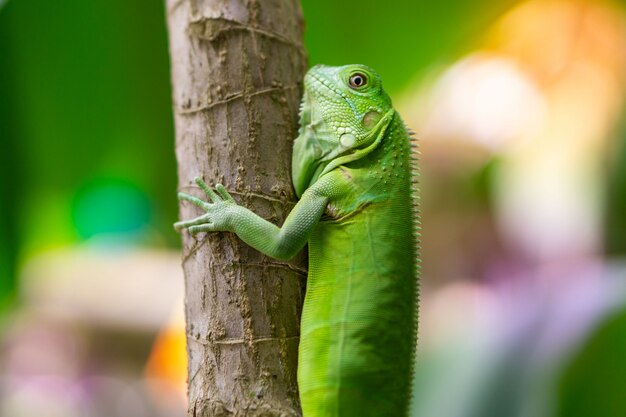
x: 615, y: 223
x: 595, y: 382
x: 10, y: 181
x: 109, y: 205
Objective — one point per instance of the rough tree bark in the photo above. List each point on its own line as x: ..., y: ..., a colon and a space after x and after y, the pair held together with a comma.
x: 237, y: 67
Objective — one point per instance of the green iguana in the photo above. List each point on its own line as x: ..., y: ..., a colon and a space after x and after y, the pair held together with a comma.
x: 354, y: 172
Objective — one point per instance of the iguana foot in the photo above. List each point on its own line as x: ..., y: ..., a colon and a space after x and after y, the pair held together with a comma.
x: 218, y: 210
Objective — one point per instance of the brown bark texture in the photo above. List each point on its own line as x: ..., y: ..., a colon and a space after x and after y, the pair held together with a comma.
x: 237, y: 70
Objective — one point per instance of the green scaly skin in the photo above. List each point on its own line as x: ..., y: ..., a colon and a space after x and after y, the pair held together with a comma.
x: 353, y: 170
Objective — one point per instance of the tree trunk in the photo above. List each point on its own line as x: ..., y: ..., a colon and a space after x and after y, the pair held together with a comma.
x: 237, y: 69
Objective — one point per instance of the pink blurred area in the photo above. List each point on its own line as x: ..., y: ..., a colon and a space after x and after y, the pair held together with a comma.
x: 81, y: 344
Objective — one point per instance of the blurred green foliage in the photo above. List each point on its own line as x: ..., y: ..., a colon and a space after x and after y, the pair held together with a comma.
x: 10, y: 186
x: 615, y: 219
x: 86, y: 103
x: 594, y: 384
x: 400, y: 39
x: 93, y: 215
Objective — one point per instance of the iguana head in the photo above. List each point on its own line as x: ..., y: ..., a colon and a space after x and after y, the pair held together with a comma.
x: 342, y: 113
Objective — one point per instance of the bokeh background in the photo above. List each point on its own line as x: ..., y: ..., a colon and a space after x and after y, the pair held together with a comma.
x: 519, y: 107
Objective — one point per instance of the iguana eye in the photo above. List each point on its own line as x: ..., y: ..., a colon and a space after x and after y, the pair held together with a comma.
x: 357, y: 80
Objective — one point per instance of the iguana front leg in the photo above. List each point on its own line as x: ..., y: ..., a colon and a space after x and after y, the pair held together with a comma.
x: 224, y: 214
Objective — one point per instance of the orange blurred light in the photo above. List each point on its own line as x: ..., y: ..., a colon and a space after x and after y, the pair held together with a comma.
x: 166, y: 369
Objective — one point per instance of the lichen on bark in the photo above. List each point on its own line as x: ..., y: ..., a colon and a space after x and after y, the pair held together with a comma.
x: 237, y: 69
